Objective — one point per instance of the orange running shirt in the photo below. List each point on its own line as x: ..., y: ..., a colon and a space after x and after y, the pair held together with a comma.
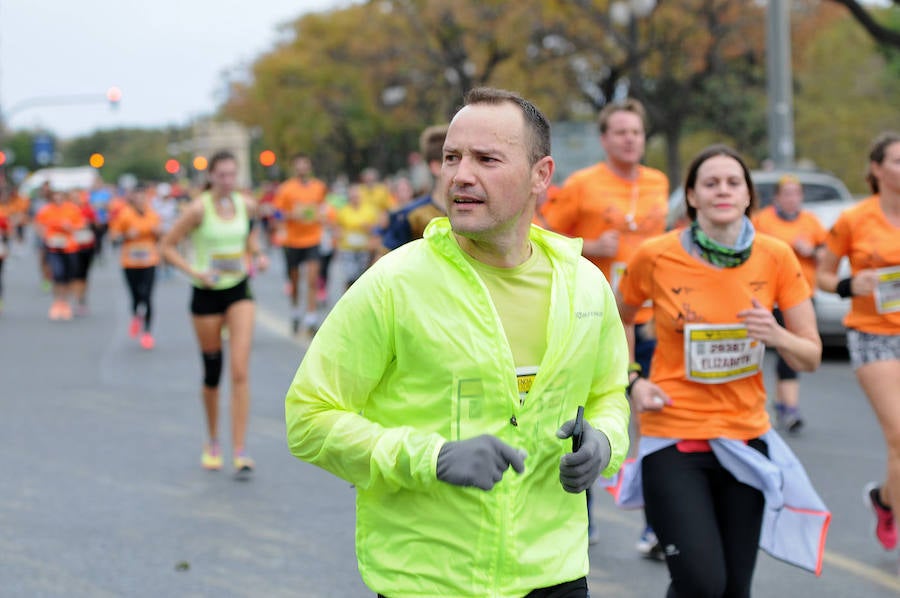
x: 805, y: 227
x: 58, y: 222
x: 594, y: 200
x: 18, y: 209
x: 140, y: 248
x: 864, y: 235
x: 688, y: 292
x: 116, y: 204
x: 301, y: 205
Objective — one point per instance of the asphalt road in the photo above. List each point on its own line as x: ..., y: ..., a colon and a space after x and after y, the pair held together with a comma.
x: 102, y: 492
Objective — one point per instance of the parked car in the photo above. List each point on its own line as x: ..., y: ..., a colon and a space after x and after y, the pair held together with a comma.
x: 824, y: 195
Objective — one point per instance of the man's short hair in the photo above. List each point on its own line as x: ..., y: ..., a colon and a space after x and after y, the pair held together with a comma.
x: 786, y: 179
x: 536, y: 123
x: 431, y: 143
x: 627, y: 105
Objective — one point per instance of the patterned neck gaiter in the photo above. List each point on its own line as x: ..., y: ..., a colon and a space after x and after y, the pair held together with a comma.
x: 722, y: 255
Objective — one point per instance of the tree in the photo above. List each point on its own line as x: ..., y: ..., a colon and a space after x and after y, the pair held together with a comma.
x: 355, y: 86
x: 141, y: 152
x: 843, y: 100
x: 885, y: 35
x: 367, y: 79
x: 22, y: 145
x: 690, y: 62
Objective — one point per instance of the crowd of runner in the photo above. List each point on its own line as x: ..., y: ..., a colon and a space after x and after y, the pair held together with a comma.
x: 700, y: 406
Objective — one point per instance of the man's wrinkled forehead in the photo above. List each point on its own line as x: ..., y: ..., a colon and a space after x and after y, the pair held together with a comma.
x: 498, y: 126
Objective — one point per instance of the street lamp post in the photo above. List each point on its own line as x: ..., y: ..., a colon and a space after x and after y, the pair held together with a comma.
x: 778, y: 77
x: 112, y: 96
x: 626, y: 13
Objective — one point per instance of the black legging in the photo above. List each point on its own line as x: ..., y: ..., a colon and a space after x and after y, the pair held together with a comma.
x: 707, y: 522
x: 140, y: 283
x: 1, y: 276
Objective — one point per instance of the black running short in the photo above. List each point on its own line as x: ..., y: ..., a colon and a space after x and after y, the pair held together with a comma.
x: 209, y: 302
x: 294, y: 256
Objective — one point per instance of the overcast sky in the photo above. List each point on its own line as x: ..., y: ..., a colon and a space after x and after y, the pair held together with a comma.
x: 167, y: 56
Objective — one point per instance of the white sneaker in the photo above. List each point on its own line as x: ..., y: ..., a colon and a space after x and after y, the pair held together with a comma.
x: 311, y: 322
x: 648, y: 545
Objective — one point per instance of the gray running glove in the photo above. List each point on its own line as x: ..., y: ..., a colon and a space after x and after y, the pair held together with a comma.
x: 577, y: 471
x: 479, y: 461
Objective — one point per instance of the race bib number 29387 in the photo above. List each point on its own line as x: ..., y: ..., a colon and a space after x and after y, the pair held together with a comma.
x: 717, y: 353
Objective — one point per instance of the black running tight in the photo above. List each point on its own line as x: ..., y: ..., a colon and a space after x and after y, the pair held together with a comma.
x: 707, y: 522
x: 140, y: 283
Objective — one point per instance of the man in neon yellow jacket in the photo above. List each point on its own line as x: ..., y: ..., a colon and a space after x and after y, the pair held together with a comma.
x: 461, y: 355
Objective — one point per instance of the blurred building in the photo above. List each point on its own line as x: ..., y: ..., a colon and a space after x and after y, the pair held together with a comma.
x: 210, y: 136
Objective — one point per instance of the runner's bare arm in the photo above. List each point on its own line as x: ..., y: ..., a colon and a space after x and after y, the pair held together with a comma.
x: 253, y: 248
x: 189, y: 220
x: 798, y: 342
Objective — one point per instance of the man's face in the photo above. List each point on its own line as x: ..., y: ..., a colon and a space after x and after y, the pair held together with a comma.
x: 486, y: 176
x: 790, y: 197
x: 302, y: 167
x: 624, y: 138
x: 368, y: 177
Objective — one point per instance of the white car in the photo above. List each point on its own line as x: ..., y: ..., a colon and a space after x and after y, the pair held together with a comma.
x: 824, y: 195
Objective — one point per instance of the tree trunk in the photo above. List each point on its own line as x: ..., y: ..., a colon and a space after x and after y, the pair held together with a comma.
x: 672, y: 134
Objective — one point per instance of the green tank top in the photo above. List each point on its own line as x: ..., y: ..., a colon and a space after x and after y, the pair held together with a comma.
x: 220, y: 245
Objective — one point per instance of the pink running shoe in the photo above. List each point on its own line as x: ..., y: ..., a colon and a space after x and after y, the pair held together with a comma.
x: 65, y: 310
x: 885, y: 529
x: 54, y: 313
x: 147, y: 341
x: 135, y: 327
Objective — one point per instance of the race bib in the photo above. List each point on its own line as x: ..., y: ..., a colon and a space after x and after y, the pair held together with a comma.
x: 303, y: 212
x: 717, y: 353
x: 140, y: 253
x: 228, y: 263
x: 357, y: 240
x: 83, y: 236
x: 57, y: 241
x: 524, y: 380
x: 887, y: 292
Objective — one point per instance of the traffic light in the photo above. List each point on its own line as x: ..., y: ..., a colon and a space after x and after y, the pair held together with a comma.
x: 96, y: 160
x: 267, y: 158
x: 172, y: 166
x: 200, y: 163
x: 2, y: 157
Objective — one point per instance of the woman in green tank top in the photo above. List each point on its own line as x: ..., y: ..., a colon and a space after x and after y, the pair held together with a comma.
x: 217, y: 222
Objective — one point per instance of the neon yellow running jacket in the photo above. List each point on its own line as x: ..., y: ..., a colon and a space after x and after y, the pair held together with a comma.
x: 414, y: 355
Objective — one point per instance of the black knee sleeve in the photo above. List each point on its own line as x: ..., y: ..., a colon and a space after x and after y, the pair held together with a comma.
x: 212, y: 369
